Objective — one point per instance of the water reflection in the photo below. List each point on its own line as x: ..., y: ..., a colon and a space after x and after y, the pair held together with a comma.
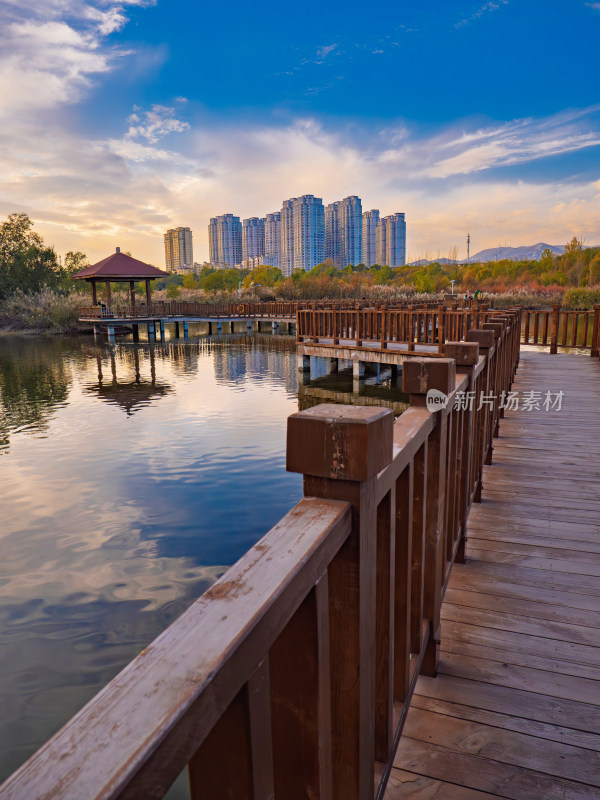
x: 130, y: 395
x: 380, y: 388
x: 34, y: 380
x: 112, y: 522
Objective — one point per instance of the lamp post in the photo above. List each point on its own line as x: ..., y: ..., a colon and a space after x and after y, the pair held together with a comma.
x: 452, y: 285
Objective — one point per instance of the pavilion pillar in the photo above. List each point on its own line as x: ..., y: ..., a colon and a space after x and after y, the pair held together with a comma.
x: 148, y: 295
x: 132, y: 294
x: 94, y: 298
x: 107, y: 294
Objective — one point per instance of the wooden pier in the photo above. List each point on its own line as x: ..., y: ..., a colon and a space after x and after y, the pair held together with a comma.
x: 514, y: 711
x: 423, y: 624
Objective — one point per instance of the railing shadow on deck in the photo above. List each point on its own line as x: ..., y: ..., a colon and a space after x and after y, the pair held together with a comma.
x: 292, y: 675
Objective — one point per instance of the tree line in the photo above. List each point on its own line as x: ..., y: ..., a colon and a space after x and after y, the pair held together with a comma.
x: 28, y: 265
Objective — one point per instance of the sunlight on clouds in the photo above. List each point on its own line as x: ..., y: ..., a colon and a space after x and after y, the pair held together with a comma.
x: 52, y: 51
x: 166, y: 167
x: 91, y: 195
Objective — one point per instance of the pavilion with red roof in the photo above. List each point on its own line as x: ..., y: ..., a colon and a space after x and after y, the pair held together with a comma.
x: 116, y: 268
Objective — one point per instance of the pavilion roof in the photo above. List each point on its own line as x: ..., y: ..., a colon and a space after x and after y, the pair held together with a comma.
x: 119, y: 266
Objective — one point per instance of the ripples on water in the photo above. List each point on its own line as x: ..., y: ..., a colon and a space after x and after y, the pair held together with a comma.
x: 131, y: 476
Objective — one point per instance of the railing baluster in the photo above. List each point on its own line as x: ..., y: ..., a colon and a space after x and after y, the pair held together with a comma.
x: 340, y: 450
x: 225, y: 759
x: 384, y: 633
x: 403, y: 569
x: 596, y: 332
x: 301, y: 720
x: 420, y: 376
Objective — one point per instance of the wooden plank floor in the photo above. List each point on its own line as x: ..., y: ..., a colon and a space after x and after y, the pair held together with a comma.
x: 515, y: 709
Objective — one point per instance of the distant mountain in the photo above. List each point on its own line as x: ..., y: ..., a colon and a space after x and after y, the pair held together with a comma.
x: 531, y: 252
x: 423, y: 261
x: 526, y: 253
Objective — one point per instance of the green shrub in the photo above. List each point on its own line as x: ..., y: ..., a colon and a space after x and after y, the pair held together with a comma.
x: 583, y: 297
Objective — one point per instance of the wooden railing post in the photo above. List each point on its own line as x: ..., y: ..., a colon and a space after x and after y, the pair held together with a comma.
x: 483, y: 417
x: 596, y: 333
x: 496, y: 377
x: 340, y: 450
x: 441, y: 327
x: 419, y: 376
x: 554, y: 331
x: 466, y: 356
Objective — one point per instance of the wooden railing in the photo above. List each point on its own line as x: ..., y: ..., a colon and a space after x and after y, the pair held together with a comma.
x: 561, y: 327
x: 242, y: 310
x: 410, y: 326
x: 247, y: 310
x: 292, y: 675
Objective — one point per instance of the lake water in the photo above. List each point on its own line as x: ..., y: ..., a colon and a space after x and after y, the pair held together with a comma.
x: 132, y: 476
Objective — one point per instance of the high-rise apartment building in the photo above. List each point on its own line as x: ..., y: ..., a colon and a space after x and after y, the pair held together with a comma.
x: 273, y: 239
x: 308, y: 221
x: 351, y: 230
x: 213, y: 241
x: 253, y: 238
x: 332, y: 233
x: 343, y: 231
x: 225, y: 240
x: 287, y: 237
x: 391, y: 241
x: 381, y: 243
x: 178, y: 250
x: 370, y: 221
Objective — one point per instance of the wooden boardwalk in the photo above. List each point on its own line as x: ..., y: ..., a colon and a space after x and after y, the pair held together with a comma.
x: 515, y: 709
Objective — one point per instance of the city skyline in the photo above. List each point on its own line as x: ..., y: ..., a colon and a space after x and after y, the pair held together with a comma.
x: 111, y: 134
x: 306, y: 233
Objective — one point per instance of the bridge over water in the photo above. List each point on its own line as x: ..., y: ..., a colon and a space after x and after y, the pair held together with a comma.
x: 423, y: 624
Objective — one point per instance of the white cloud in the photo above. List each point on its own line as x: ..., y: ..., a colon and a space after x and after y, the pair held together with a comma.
x: 127, y: 188
x: 595, y: 6
x: 323, y: 52
x: 494, y: 5
x: 151, y: 125
x: 92, y: 195
x: 108, y: 21
x: 54, y: 49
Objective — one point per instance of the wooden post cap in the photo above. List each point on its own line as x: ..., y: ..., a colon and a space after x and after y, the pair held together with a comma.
x: 504, y: 320
x: 464, y: 353
x: 350, y: 443
x: 496, y: 327
x: 482, y: 337
x: 419, y: 375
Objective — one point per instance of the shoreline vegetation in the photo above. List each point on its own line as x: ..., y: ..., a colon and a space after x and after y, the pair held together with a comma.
x: 38, y: 296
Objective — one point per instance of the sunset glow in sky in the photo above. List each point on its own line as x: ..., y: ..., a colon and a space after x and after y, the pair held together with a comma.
x: 120, y: 120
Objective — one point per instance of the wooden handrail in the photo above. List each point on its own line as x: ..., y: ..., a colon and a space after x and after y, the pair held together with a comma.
x: 368, y: 326
x: 296, y: 668
x: 259, y: 310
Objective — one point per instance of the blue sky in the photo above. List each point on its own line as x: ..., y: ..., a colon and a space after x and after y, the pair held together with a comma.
x: 122, y: 119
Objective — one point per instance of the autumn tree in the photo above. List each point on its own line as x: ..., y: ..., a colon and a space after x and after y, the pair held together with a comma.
x: 26, y: 263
